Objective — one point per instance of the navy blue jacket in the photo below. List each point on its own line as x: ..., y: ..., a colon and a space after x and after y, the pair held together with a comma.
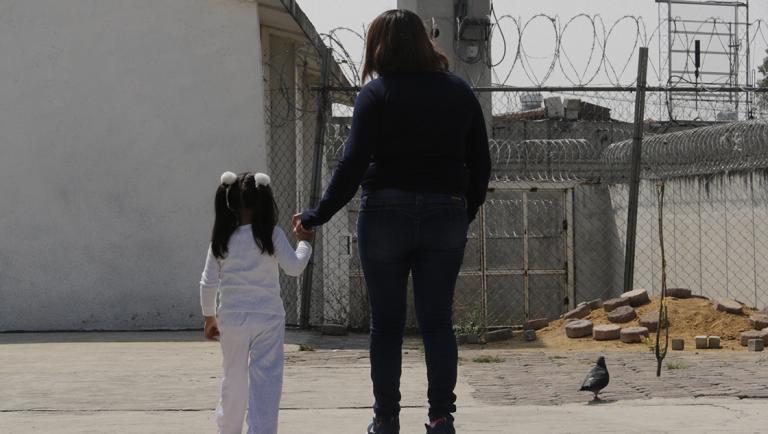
x: 421, y: 132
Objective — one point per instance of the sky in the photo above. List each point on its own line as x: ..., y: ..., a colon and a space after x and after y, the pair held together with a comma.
x: 539, y: 40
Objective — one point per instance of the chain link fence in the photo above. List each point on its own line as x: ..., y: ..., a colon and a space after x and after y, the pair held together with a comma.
x: 291, y: 69
x: 553, y: 230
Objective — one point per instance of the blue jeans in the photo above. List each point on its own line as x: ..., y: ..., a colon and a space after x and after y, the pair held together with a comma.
x: 402, y: 233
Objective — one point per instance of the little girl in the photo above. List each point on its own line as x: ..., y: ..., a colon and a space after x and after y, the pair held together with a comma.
x: 242, y: 268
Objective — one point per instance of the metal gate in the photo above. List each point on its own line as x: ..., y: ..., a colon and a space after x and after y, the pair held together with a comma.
x: 527, y: 269
x: 517, y: 266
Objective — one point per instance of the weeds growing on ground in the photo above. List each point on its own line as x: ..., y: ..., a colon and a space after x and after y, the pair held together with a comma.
x: 488, y: 359
x: 470, y: 324
x: 677, y: 365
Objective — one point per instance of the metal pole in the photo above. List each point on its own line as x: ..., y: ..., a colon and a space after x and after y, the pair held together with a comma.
x: 749, y: 66
x: 634, y: 186
x: 317, y: 167
x: 483, y: 270
x: 736, y: 43
x: 669, y: 58
x: 730, y: 62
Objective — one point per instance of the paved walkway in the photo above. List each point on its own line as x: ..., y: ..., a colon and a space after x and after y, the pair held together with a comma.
x: 546, y: 378
x: 167, y: 383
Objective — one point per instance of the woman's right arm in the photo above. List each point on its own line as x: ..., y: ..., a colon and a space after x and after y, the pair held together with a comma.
x: 209, y: 285
x: 353, y: 163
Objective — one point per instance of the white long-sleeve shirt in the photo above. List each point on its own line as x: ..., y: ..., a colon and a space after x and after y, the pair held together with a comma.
x: 247, y: 280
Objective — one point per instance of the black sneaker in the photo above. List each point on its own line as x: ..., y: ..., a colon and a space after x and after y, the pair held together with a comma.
x: 443, y: 425
x: 384, y: 425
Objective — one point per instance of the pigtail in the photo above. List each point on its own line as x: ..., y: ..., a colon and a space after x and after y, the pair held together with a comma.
x: 257, y: 195
x: 226, y: 206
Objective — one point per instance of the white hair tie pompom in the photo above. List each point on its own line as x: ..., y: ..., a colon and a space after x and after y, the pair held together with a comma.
x: 261, y: 179
x: 228, y: 178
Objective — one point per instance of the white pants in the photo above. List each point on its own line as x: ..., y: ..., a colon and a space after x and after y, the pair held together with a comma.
x: 252, y: 350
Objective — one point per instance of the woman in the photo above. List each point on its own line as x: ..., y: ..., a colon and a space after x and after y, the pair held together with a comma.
x: 419, y: 147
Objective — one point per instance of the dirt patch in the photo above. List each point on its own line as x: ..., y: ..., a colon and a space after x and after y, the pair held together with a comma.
x: 687, y: 317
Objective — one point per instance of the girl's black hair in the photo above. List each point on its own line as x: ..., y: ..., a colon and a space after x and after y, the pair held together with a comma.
x: 244, y: 194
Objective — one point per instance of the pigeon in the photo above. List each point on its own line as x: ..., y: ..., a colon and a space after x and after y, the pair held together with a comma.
x: 597, y: 379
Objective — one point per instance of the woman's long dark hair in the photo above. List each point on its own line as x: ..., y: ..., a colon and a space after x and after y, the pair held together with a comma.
x: 397, y: 41
x: 244, y: 194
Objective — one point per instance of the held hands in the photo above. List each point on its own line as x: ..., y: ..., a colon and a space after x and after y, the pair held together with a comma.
x: 299, y: 231
x: 211, y: 329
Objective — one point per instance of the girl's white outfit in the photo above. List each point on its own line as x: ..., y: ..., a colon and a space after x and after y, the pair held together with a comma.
x: 251, y: 321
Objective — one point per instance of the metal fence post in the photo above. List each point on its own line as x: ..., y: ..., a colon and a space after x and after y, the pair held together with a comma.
x: 317, y: 165
x: 634, y: 186
x: 483, y: 271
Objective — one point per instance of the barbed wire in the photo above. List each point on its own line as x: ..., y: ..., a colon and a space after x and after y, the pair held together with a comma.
x: 601, y: 63
x: 543, y: 160
x: 614, y: 68
x: 717, y: 149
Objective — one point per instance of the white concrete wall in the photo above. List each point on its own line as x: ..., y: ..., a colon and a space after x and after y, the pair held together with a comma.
x: 116, y: 119
x: 715, y: 236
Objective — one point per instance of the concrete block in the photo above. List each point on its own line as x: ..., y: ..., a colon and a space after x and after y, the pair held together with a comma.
x: 729, y: 306
x: 702, y: 342
x: 529, y: 335
x: 633, y: 335
x: 579, y: 328
x: 554, y: 107
x: 499, y: 335
x: 331, y: 329
x: 572, y: 104
x: 637, y: 297
x: 612, y: 304
x: 679, y: 292
x: 755, y: 345
x: 622, y: 314
x: 536, y: 324
x: 530, y: 101
x: 650, y: 321
x: 678, y: 344
x: 606, y: 332
x: 572, y: 108
x: 713, y: 342
x: 753, y: 334
x: 578, y: 313
x: 759, y: 321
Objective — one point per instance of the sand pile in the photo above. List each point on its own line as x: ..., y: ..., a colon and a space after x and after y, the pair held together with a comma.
x: 687, y: 317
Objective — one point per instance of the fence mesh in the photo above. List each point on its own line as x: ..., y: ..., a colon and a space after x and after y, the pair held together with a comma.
x: 554, y: 228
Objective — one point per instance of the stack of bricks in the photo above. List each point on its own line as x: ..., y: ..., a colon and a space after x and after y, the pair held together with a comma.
x: 707, y: 342
x: 754, y: 340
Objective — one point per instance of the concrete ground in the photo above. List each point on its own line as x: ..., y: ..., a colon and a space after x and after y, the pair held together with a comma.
x: 167, y: 382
